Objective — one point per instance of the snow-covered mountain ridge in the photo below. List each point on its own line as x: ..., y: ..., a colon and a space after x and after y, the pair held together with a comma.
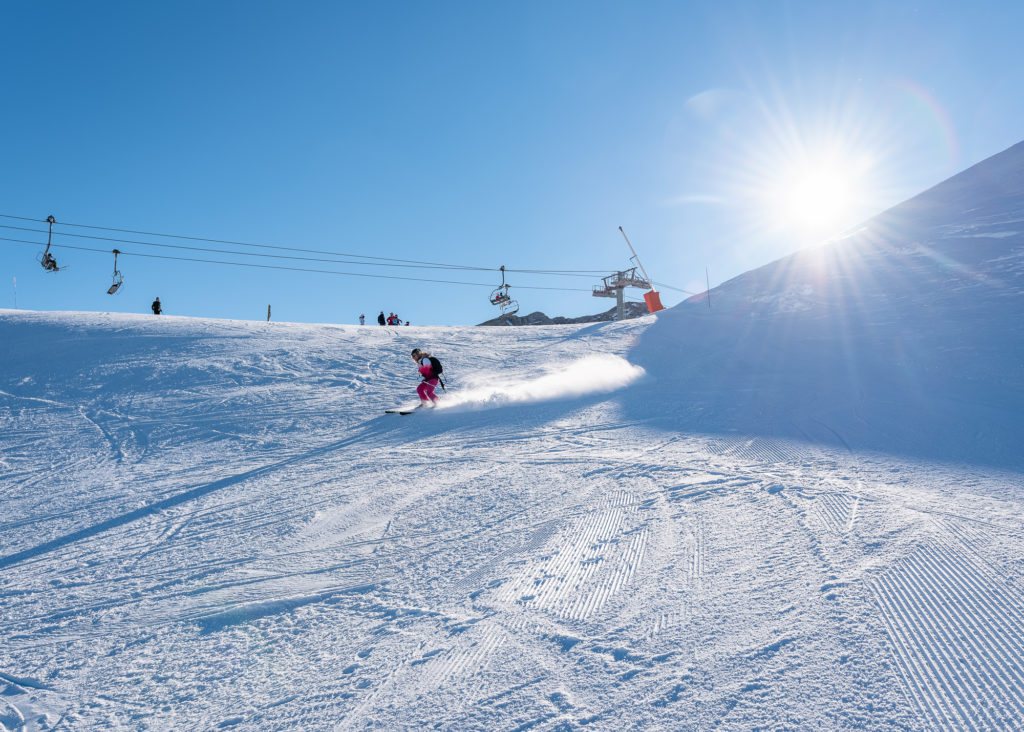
x: 906, y: 335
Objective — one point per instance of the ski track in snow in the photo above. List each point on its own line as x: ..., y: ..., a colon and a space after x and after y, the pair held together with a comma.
x: 228, y: 534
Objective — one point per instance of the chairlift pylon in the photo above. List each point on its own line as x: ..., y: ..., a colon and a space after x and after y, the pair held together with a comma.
x: 45, y: 258
x: 501, y: 298
x: 118, y: 277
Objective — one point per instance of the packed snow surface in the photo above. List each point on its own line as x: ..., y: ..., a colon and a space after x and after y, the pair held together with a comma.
x: 799, y: 509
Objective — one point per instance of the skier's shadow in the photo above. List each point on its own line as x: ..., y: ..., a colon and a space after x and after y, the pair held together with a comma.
x: 491, y: 423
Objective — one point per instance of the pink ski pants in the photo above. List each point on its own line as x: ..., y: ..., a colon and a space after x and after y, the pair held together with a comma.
x: 426, y: 390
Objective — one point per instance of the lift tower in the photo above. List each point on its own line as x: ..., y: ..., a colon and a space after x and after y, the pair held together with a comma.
x: 614, y: 286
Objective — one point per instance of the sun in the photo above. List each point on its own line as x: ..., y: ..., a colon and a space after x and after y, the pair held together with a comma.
x: 819, y: 195
x: 801, y: 175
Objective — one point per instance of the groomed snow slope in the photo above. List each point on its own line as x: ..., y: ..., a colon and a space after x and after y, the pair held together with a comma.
x: 210, y: 524
x: 807, y: 513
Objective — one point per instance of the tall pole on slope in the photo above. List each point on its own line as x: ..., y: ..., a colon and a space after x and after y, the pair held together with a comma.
x: 636, y: 257
x: 651, y: 298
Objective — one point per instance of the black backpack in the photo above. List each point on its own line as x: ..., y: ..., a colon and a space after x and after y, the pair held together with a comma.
x: 435, y: 364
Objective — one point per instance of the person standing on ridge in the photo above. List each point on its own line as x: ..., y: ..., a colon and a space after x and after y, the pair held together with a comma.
x: 380, y: 318
x: 362, y: 319
x: 157, y: 308
x: 430, y: 370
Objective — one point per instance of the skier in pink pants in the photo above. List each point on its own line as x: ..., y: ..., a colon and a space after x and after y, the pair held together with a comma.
x: 429, y: 370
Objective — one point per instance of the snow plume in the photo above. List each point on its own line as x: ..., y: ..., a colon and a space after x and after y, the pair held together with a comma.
x: 561, y: 380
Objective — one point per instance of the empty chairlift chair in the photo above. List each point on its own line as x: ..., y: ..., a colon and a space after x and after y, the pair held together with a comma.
x: 118, y: 277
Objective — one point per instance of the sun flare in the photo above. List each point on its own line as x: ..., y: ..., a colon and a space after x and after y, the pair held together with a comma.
x: 797, y: 175
x: 816, y: 198
x: 819, y: 196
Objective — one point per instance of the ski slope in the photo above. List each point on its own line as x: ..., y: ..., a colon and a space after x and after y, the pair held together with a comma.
x: 802, y: 508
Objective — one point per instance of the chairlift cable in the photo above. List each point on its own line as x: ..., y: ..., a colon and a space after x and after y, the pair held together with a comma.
x: 565, y: 273
x: 241, y: 254
x: 570, y: 273
x: 380, y: 261
x: 296, y: 269
x: 580, y: 273
x: 677, y: 289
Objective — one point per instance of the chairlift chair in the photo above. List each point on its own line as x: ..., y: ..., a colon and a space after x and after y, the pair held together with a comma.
x: 45, y: 258
x: 501, y: 298
x: 118, y: 277
x: 511, y: 307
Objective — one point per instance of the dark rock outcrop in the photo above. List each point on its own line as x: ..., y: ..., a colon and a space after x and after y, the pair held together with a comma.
x: 633, y: 310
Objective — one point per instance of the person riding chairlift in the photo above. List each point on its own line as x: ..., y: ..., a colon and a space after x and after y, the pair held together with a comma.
x: 49, y: 263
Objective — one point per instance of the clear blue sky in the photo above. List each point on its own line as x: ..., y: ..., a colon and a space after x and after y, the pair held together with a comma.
x: 475, y: 134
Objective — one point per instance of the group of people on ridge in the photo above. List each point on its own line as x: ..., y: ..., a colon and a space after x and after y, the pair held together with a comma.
x: 392, y: 319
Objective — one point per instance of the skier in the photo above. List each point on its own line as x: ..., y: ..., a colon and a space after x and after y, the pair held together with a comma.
x: 49, y: 263
x: 362, y: 319
x: 380, y: 318
x: 157, y: 308
x: 430, y: 376
x: 391, y: 319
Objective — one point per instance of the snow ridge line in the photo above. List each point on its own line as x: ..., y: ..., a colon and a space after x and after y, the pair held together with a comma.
x: 458, y: 661
x: 572, y: 568
x: 475, y: 582
x: 838, y: 512
x: 695, y: 563
x: 667, y: 620
x: 757, y: 449
x: 25, y: 682
x: 958, y: 641
x: 971, y: 536
x: 189, y: 495
x: 578, y: 579
x: 249, y: 611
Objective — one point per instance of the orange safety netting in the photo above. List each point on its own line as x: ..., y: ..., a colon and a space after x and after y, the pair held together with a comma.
x: 653, y: 301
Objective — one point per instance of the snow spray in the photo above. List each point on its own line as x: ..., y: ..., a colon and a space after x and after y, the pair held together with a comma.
x: 588, y: 375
